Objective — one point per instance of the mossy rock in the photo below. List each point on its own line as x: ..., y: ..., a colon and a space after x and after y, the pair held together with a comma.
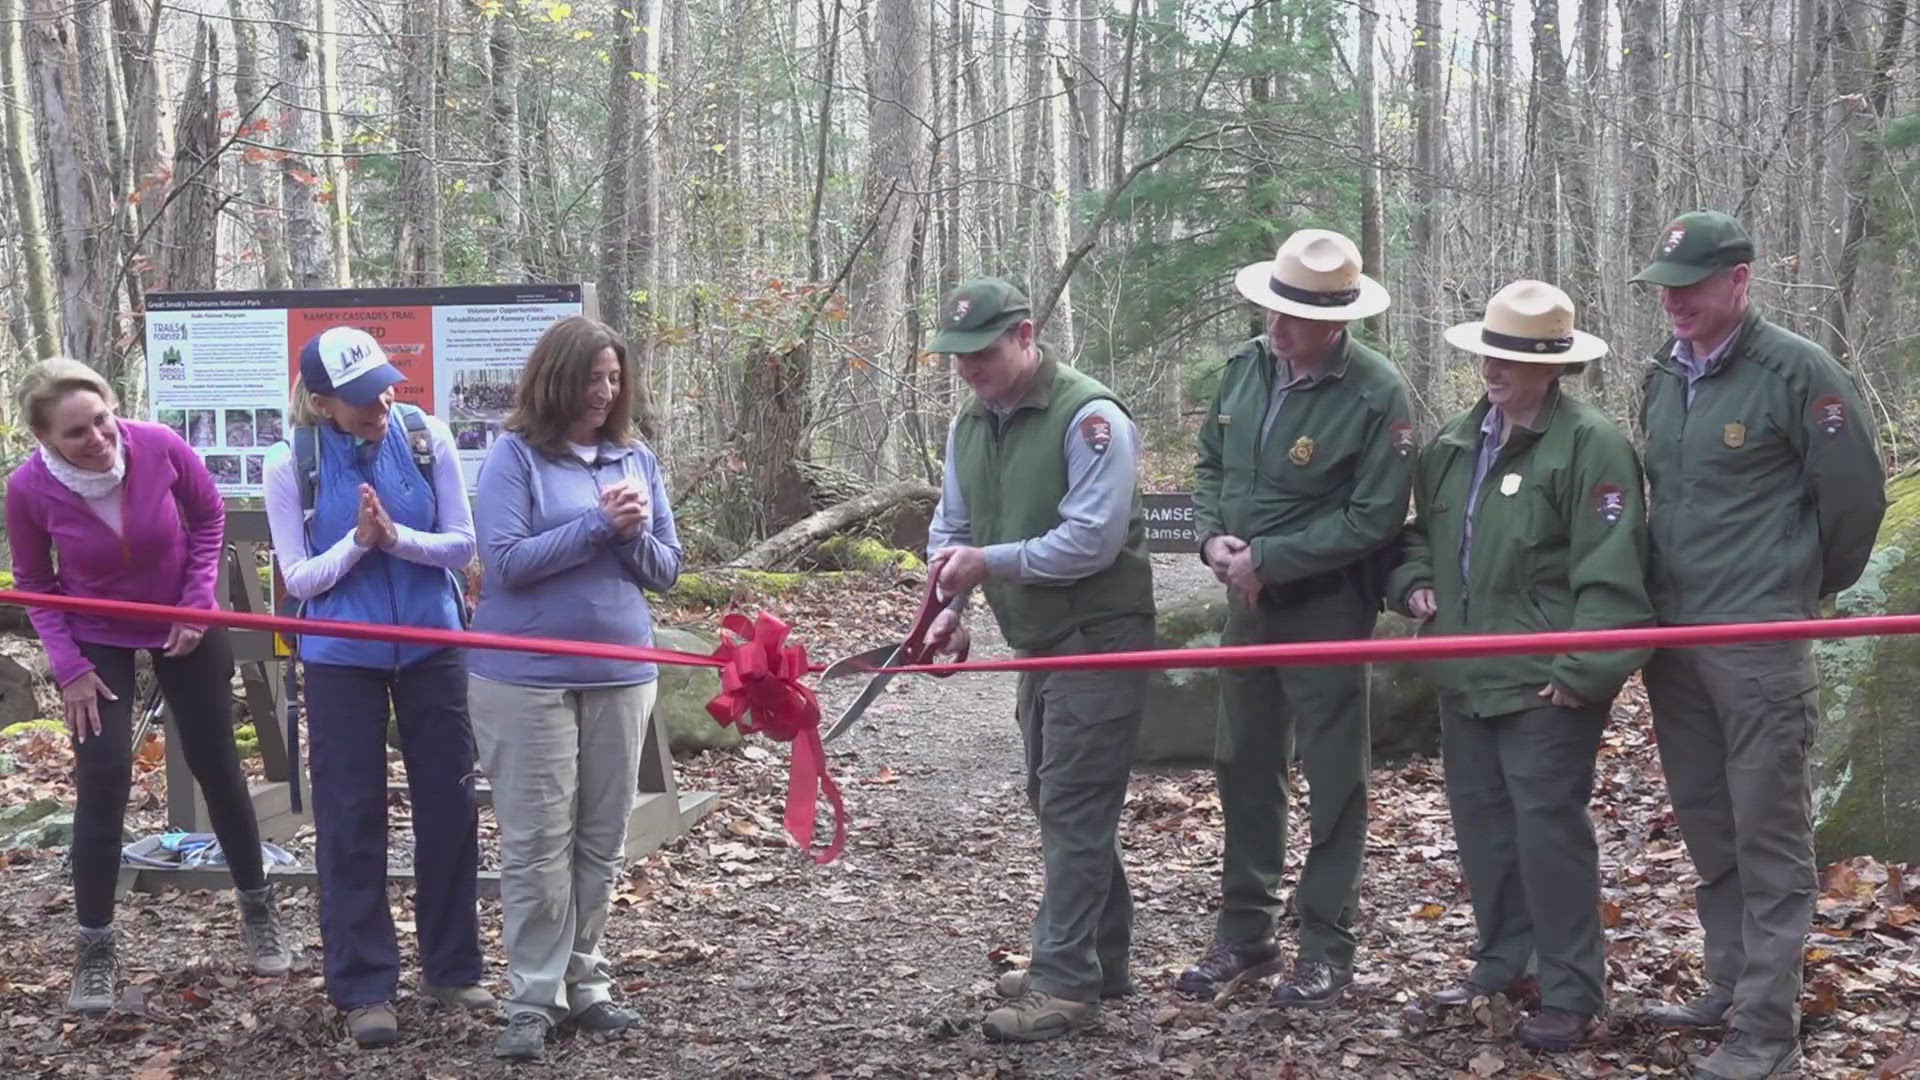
x: 864, y: 554
x: 718, y: 588
x: 1866, y: 751
x: 29, y: 727
x: 681, y: 704
x: 1183, y: 706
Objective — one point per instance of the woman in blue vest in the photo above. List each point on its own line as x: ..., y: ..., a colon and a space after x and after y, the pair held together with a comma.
x: 371, y: 524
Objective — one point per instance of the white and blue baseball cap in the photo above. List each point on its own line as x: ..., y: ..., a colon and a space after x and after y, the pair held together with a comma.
x: 347, y: 363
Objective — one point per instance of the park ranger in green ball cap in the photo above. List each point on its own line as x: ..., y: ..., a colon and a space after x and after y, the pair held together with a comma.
x: 1765, y: 492
x: 1041, y: 507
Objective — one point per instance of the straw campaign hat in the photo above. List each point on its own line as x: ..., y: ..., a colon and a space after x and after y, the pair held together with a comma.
x: 1529, y: 321
x: 1315, y: 275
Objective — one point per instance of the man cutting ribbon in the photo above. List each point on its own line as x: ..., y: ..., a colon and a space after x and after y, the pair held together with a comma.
x: 1041, y: 506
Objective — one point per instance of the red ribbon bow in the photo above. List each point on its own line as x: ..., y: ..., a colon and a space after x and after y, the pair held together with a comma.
x: 761, y: 692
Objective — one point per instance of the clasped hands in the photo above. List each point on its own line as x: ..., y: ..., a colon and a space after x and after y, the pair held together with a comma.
x: 628, y: 504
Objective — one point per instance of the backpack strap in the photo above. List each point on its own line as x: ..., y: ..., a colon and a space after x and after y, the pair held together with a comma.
x: 420, y: 440
x: 306, y: 468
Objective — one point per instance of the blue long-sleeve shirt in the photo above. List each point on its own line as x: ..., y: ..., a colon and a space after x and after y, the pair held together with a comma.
x: 552, y: 564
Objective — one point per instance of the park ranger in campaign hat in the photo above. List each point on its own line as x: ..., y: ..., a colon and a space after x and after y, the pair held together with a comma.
x: 1528, y: 514
x: 1306, y: 457
x: 1041, y: 507
x: 1765, y: 492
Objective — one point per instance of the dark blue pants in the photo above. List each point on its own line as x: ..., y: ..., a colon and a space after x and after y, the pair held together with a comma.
x: 347, y: 709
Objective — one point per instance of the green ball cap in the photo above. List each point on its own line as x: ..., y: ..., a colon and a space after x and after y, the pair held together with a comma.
x: 1694, y: 246
x: 976, y: 313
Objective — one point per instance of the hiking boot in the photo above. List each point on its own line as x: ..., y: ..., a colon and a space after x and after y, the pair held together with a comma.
x: 525, y: 1038
x: 1555, y: 1031
x: 1224, y: 963
x: 605, y: 1016
x: 373, y: 1025
x: 1019, y: 981
x: 1709, y: 1010
x: 471, y: 998
x: 1037, y: 1017
x: 1745, y: 1056
x: 95, y: 969
x: 1463, y: 993
x: 1313, y: 985
x: 261, y: 933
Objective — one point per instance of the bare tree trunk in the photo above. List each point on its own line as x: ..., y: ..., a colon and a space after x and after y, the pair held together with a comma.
x: 891, y: 198
x: 643, y: 192
x: 1041, y: 173
x: 507, y: 240
x: 266, y: 240
x: 418, y: 249
x: 42, y: 305
x: 332, y: 142
x: 1880, y: 65
x: 829, y: 63
x: 1798, y: 133
x: 1551, y: 137
x: 615, y: 214
x: 73, y: 168
x: 1372, y: 216
x: 189, y: 231
x: 1640, y: 21
x: 1583, y: 204
x: 1427, y: 140
x: 309, y: 261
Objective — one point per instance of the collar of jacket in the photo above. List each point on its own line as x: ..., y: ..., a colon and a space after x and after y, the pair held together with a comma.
x: 1741, y: 336
x: 1464, y: 432
x: 1038, y: 394
x: 1341, y: 353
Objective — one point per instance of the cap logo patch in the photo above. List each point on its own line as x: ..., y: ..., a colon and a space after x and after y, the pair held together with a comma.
x: 1830, y: 414
x: 960, y: 309
x: 1674, y: 236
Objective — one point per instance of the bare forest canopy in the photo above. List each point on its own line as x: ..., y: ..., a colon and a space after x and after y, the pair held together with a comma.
x: 770, y: 196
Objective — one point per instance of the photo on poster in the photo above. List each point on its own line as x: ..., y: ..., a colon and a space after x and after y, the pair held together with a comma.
x: 175, y: 419
x: 240, y: 427
x: 471, y: 434
x: 224, y: 467
x: 256, y: 465
x: 267, y: 427
x: 484, y: 393
x: 203, y: 428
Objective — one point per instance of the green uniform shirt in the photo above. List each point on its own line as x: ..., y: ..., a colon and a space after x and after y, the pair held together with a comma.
x: 1767, y: 491
x: 1328, y: 485
x: 1012, y: 476
x: 1559, y: 543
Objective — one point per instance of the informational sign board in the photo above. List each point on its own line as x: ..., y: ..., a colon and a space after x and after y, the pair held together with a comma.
x: 1170, y: 522
x: 220, y: 365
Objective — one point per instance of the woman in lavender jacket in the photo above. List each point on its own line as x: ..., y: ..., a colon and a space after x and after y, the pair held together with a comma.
x: 572, y: 524
x: 131, y: 514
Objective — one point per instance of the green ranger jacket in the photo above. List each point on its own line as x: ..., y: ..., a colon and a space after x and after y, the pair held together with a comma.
x: 1013, y: 476
x: 1559, y: 543
x: 1767, y: 490
x: 1328, y: 487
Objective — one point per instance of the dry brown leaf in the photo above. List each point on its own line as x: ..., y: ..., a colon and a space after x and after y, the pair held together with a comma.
x: 1486, y: 1062
x: 1429, y: 911
x: 1610, y: 916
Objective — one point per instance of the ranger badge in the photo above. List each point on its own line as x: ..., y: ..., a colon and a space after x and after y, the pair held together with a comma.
x: 1302, y: 451
x: 1735, y: 436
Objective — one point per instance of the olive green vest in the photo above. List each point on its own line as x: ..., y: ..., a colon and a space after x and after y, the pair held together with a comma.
x: 1012, y: 472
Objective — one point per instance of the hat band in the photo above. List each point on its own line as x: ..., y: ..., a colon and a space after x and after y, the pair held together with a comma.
x: 1307, y: 296
x: 1516, y: 343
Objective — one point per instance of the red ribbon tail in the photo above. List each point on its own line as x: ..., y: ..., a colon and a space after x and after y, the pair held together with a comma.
x: 806, y: 777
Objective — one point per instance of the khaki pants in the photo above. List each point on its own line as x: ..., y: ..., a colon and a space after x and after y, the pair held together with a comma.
x: 1079, y: 728
x: 1735, y: 723
x: 565, y: 767
x: 1263, y: 711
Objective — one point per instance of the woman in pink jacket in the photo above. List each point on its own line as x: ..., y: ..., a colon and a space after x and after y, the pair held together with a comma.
x: 130, y: 513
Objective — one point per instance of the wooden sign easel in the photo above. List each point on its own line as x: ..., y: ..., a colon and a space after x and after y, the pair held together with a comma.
x: 661, y: 813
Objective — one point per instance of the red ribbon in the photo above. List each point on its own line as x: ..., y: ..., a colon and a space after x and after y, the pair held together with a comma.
x: 761, y: 692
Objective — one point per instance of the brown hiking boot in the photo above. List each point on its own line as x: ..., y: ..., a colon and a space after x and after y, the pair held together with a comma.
x: 1709, y: 1010
x: 1013, y: 984
x: 1037, y: 1017
x: 373, y: 1025
x: 1523, y: 992
x: 1555, y: 1031
x: 1224, y: 963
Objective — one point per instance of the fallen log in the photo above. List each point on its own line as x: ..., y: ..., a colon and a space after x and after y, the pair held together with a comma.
x: 784, y: 548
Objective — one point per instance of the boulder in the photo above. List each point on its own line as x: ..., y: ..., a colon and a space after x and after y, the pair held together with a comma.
x: 1866, y: 751
x: 41, y: 823
x: 684, y: 692
x: 1182, y: 707
x: 17, y: 702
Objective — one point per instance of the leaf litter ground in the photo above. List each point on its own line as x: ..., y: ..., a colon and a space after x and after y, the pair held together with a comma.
x: 744, y: 959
